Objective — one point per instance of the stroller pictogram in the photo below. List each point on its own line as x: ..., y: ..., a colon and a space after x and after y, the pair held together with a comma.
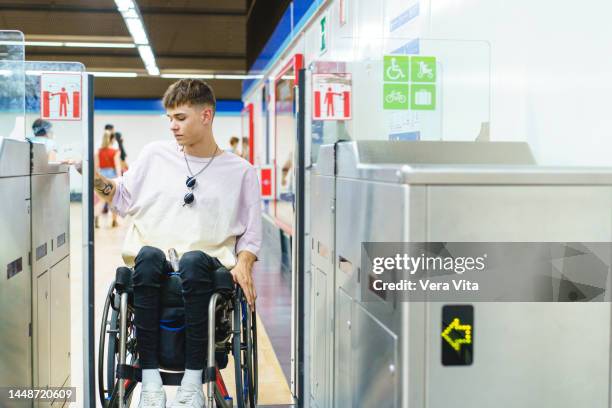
x: 424, y: 71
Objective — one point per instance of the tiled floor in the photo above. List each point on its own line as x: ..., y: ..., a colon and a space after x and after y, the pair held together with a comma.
x: 273, y: 306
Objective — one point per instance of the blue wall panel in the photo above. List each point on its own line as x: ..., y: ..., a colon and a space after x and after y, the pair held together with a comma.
x: 224, y: 106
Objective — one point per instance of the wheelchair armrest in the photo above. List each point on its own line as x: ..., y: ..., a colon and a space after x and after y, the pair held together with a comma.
x: 123, y: 280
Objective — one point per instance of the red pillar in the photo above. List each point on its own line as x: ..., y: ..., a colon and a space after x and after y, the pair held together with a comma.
x: 46, y: 101
x: 347, y: 104
x: 76, y: 104
x: 317, y: 104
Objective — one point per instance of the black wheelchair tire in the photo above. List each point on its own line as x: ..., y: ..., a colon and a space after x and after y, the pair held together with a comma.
x: 102, y: 387
x: 248, y: 355
x: 243, y: 362
x: 253, y: 358
x: 111, y: 340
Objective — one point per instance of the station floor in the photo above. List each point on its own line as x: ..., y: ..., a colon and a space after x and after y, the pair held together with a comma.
x: 273, y: 310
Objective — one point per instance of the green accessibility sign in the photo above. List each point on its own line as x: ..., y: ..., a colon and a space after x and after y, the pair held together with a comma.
x: 396, y: 68
x: 396, y: 96
x: 409, y: 82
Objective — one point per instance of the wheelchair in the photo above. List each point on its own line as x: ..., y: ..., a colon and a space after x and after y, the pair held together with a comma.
x: 232, y: 328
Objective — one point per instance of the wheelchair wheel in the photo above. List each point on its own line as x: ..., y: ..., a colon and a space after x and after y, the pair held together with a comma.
x: 244, y: 349
x: 108, y: 353
x: 249, y: 334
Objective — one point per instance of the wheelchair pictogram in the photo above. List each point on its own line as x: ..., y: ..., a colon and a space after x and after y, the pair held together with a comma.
x: 395, y: 68
x: 394, y: 72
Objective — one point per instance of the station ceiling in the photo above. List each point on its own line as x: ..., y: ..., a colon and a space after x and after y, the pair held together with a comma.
x: 187, y: 36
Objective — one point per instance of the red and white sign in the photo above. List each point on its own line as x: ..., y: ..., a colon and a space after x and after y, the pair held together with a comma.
x: 331, y: 96
x: 265, y: 181
x: 60, y: 96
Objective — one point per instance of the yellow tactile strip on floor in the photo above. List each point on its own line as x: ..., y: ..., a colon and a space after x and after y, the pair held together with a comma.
x: 273, y: 387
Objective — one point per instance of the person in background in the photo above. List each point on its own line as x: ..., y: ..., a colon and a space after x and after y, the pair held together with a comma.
x: 245, y: 148
x: 108, y: 164
x: 122, y: 153
x: 43, y: 133
x: 233, y: 145
x: 109, y: 128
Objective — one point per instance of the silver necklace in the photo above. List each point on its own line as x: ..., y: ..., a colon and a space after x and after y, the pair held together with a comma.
x: 189, y: 198
x: 204, y: 168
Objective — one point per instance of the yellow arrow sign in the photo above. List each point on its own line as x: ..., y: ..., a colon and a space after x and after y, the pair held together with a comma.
x: 456, y: 325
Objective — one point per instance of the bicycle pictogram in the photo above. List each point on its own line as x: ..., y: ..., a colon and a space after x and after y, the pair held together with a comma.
x: 395, y: 96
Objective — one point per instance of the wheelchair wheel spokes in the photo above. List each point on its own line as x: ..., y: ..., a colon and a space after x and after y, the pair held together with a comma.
x: 108, y: 352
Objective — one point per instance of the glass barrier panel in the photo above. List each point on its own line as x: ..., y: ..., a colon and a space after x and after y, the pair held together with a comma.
x: 285, y: 125
x: 56, y: 116
x: 11, y: 84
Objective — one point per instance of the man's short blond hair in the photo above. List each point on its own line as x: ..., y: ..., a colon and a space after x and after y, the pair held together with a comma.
x: 189, y: 92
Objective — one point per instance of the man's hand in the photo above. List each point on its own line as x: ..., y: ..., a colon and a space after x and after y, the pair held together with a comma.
x: 243, y: 275
x: 78, y: 164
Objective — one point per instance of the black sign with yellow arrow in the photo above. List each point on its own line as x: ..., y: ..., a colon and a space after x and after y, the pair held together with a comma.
x: 457, y: 335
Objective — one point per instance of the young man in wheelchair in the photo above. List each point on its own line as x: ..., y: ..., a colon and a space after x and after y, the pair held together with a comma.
x: 190, y: 195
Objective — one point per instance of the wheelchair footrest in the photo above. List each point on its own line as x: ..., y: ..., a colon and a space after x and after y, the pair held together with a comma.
x: 128, y: 372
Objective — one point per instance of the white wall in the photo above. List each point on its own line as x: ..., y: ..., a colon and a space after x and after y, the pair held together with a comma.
x: 139, y: 129
x: 550, y: 69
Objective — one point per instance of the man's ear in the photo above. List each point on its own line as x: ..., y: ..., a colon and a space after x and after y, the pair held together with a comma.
x: 206, y: 114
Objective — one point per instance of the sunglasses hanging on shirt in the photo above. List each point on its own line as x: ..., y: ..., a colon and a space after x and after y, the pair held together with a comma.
x: 189, y: 198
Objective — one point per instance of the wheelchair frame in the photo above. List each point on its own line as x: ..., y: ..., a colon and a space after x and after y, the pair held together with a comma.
x: 241, y: 340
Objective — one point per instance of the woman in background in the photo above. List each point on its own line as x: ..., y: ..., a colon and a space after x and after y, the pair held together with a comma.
x: 122, y: 153
x: 108, y: 164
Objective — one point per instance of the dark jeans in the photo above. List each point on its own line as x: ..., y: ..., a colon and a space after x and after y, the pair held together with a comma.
x: 196, y: 270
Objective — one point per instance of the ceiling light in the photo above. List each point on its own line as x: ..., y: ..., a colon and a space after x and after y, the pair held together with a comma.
x: 113, y: 74
x: 44, y: 43
x: 137, y: 30
x: 230, y: 76
x: 11, y: 42
x: 194, y: 76
x: 39, y: 73
x: 146, y: 53
x: 99, y: 45
x: 131, y: 13
x: 123, y: 5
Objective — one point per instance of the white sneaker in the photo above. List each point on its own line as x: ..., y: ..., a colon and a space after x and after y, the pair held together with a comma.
x: 189, y: 396
x: 152, y: 399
